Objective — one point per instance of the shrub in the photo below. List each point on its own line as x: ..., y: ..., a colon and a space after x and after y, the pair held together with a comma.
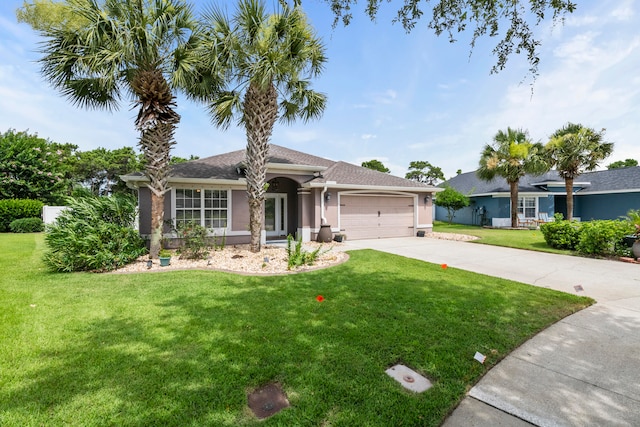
x: 296, y: 256
x: 452, y: 200
x: 94, y: 234
x: 12, y: 209
x: 27, y: 225
x: 561, y: 234
x: 603, y: 237
x: 194, y: 241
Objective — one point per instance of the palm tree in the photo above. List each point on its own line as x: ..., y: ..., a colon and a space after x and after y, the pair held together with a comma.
x: 574, y: 149
x: 511, y: 156
x: 259, y: 67
x: 132, y: 49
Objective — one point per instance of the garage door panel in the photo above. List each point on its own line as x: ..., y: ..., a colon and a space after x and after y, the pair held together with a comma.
x: 370, y: 217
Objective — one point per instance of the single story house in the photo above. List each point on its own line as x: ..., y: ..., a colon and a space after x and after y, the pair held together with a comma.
x: 305, y: 193
x: 606, y: 194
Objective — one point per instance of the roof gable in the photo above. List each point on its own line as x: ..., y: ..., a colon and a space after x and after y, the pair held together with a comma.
x: 226, y: 166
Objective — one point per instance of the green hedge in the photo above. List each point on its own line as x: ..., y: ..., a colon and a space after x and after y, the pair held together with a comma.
x: 600, y: 237
x: 12, y: 209
x: 561, y: 234
x: 27, y: 225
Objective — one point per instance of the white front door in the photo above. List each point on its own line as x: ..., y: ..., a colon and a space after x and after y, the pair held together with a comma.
x: 275, y: 214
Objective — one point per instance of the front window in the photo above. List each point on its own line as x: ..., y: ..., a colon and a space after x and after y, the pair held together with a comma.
x: 208, y: 208
x: 527, y: 206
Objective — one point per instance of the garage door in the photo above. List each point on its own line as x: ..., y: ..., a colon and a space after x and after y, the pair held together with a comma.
x: 374, y: 217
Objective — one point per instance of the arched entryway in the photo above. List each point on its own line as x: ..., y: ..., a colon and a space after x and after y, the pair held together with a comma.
x: 281, y: 208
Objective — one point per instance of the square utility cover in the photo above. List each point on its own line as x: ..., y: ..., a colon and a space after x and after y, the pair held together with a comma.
x: 409, y: 378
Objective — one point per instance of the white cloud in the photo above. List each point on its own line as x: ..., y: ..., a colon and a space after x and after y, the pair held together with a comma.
x: 624, y: 11
x: 368, y: 136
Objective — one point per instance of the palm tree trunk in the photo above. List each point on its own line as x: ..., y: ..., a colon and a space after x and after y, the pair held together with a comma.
x: 513, y: 189
x: 260, y: 114
x: 156, y: 146
x: 568, y: 183
x: 157, y: 123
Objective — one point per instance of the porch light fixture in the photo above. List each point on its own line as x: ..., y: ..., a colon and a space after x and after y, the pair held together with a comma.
x: 426, y: 199
x: 327, y: 197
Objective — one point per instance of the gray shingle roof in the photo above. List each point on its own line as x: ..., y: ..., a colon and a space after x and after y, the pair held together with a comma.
x: 346, y: 173
x: 624, y: 179
x: 223, y: 166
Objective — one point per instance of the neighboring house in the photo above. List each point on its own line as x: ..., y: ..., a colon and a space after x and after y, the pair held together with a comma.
x: 607, y: 194
x: 304, y: 193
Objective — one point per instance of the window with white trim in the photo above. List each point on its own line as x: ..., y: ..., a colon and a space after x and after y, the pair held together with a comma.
x: 527, y: 206
x: 209, y: 208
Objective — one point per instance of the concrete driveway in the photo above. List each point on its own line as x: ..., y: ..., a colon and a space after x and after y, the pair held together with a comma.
x: 582, y: 371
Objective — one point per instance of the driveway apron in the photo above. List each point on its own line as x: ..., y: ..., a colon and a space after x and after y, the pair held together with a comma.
x: 582, y: 371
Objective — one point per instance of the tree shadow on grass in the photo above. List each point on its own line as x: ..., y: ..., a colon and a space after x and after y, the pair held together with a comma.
x: 189, y: 354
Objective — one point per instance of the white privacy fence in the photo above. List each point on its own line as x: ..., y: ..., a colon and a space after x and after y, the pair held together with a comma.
x: 50, y: 213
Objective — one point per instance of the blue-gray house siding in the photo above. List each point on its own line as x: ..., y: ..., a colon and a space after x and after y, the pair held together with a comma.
x: 606, y: 206
x: 607, y: 194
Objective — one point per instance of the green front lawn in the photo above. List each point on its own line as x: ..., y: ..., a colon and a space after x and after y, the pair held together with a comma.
x: 184, y: 348
x: 519, y: 239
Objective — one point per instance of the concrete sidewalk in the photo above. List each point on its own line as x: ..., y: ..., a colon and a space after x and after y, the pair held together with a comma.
x: 582, y: 371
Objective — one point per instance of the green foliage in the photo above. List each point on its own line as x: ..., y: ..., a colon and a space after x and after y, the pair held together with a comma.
x: 101, y: 53
x: 627, y: 163
x: 604, y: 237
x: 633, y: 217
x: 27, y: 225
x: 47, y: 15
x: 452, y: 200
x: 12, y: 209
x: 375, y: 165
x: 422, y: 171
x: 219, y: 242
x: 561, y: 234
x: 511, y: 156
x: 174, y: 160
x: 94, y: 234
x: 99, y: 170
x: 164, y: 253
x: 193, y: 239
x: 601, y: 237
x: 574, y: 149
x: 33, y: 168
x: 257, y: 69
x: 297, y: 256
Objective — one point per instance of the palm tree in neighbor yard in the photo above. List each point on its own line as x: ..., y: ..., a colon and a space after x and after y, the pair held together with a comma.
x: 133, y: 49
x: 574, y: 149
x: 258, y: 69
x: 511, y: 156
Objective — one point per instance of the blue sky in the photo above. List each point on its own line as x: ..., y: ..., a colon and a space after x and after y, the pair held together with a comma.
x: 393, y: 96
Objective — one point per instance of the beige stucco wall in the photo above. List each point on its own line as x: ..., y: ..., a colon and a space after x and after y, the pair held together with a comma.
x: 425, y: 211
x: 239, y: 210
x: 307, y: 203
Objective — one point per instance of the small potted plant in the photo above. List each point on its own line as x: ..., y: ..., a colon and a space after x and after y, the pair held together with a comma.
x: 165, y: 258
x: 633, y: 216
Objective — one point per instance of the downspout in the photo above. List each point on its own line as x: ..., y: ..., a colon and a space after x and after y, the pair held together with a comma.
x: 323, y: 219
